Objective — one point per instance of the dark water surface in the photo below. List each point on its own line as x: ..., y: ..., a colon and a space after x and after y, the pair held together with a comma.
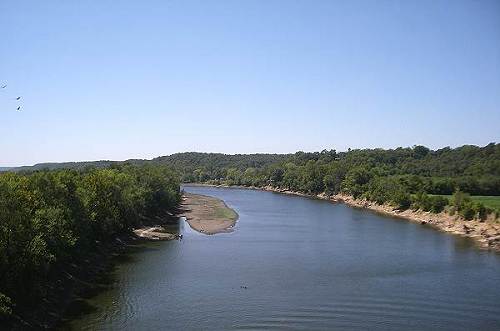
x: 307, y: 265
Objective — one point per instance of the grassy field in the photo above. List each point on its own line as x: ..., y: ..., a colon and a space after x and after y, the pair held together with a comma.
x: 488, y: 201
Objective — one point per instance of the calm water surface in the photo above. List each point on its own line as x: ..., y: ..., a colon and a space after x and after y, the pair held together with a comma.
x: 307, y: 265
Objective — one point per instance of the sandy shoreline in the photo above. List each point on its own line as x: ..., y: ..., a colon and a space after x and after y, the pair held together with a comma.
x: 154, y: 233
x: 486, y: 234
x: 207, y: 215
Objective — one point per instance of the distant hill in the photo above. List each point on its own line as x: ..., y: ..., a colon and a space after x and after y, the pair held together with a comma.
x: 182, y: 162
x: 73, y: 165
x: 219, y: 160
x: 64, y: 165
x: 474, y: 169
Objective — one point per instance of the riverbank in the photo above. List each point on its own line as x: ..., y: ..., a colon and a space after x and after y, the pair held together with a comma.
x: 486, y: 233
x: 154, y: 233
x: 70, y: 285
x: 207, y: 215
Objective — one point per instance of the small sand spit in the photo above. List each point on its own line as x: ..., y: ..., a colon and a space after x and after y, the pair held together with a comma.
x: 208, y: 215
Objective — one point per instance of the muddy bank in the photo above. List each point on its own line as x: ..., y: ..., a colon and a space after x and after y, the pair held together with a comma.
x: 485, y: 233
x: 207, y: 215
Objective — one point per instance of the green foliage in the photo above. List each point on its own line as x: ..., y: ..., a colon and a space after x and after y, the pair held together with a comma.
x: 50, y: 218
x: 355, y: 181
x: 438, y: 203
x: 435, y: 204
x: 312, y: 177
x: 422, y: 201
x: 459, y: 199
x: 402, y: 200
x: 485, y: 205
x: 489, y: 201
x: 481, y: 211
x: 394, y: 176
x: 334, y: 175
x: 467, y: 210
x: 472, y: 169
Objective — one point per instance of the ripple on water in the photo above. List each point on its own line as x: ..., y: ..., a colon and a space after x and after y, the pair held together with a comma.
x: 378, y: 313
x: 342, y: 269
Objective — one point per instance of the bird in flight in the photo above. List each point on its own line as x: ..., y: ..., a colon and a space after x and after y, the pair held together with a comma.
x: 4, y: 86
x: 18, y: 98
x: 18, y: 108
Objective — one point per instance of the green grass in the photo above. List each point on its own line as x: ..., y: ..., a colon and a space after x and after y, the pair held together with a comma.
x: 488, y: 201
x: 224, y: 212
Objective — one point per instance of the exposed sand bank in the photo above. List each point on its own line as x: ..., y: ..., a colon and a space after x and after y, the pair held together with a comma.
x: 485, y: 233
x: 154, y: 233
x: 207, y: 215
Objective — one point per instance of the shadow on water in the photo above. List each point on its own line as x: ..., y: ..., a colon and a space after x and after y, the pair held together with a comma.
x: 85, y: 302
x: 78, y: 308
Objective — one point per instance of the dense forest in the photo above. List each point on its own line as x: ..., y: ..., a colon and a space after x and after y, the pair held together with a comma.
x: 472, y: 169
x: 186, y: 162
x: 406, y: 177
x: 51, y: 219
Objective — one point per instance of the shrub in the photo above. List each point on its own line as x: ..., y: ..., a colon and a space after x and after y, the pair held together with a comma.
x: 481, y: 211
x: 438, y: 203
x: 468, y: 210
x: 422, y: 201
x: 402, y: 200
x: 460, y: 198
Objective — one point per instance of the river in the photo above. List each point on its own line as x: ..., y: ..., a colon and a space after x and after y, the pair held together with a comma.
x: 302, y: 264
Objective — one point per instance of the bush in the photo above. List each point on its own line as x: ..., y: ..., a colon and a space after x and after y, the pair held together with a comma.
x: 481, y: 211
x: 459, y: 199
x: 438, y: 203
x: 402, y: 200
x: 468, y: 210
x: 422, y: 201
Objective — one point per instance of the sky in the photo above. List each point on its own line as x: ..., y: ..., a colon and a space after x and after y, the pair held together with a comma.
x: 109, y: 79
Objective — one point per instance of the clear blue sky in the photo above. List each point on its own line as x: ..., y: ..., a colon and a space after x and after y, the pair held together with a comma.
x: 138, y: 79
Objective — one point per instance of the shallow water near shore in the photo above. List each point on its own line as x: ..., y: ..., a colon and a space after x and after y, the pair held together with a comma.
x: 305, y: 264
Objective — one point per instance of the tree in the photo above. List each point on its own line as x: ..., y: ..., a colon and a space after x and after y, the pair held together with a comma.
x: 355, y: 181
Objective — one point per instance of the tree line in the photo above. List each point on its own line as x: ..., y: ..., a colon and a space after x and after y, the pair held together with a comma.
x: 472, y: 169
x: 49, y: 219
x: 405, y: 177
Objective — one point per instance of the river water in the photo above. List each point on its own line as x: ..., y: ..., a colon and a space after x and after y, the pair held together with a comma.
x: 302, y: 264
